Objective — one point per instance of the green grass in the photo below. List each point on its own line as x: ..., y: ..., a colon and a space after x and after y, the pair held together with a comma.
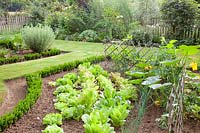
x: 79, y: 50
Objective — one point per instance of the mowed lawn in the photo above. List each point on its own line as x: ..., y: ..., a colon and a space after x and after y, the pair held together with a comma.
x: 78, y: 51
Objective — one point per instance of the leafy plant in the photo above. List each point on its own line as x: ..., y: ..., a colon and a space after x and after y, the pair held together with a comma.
x: 51, y: 119
x: 97, y: 122
x: 141, y: 38
x: 162, y: 121
x: 106, y: 85
x: 88, y: 35
x: 53, y: 129
x: 119, y: 114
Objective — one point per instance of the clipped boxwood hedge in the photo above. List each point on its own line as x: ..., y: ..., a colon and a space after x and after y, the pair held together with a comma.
x: 32, y: 56
x: 34, y: 87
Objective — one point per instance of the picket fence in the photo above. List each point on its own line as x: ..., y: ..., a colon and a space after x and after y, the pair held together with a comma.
x: 160, y: 28
x: 12, y: 23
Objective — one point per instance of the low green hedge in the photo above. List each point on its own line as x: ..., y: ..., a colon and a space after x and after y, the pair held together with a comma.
x: 34, y: 85
x: 51, y: 52
x: 13, y: 59
x: 32, y: 56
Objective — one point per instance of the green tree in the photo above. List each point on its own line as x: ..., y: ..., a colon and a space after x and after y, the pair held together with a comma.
x: 180, y: 15
x: 144, y: 10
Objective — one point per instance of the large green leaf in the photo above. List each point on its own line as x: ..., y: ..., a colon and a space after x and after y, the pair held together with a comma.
x: 151, y: 80
x: 157, y: 86
x: 136, y: 74
x: 170, y: 62
x: 136, y: 81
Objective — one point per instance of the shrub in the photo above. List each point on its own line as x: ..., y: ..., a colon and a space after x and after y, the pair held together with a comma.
x: 73, y: 37
x: 188, y: 42
x: 11, y: 41
x: 3, y: 53
x: 88, y: 35
x: 38, y: 38
x: 141, y: 37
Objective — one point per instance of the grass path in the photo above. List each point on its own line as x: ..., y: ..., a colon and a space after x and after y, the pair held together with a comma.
x: 79, y: 50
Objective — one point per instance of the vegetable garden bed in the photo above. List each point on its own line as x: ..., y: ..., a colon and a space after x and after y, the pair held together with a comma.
x: 31, y: 122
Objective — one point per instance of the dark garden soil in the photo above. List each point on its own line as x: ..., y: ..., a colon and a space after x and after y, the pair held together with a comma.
x: 148, y: 124
x: 16, y: 90
x: 31, y: 122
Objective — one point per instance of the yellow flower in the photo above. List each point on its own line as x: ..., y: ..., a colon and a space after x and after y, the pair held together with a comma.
x: 193, y: 65
x: 148, y: 67
x: 157, y: 103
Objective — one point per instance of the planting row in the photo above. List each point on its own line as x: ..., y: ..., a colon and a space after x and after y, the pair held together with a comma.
x: 98, y: 98
x: 34, y: 90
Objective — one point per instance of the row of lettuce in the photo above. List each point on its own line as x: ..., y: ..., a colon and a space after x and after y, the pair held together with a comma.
x: 34, y: 86
x: 99, y: 98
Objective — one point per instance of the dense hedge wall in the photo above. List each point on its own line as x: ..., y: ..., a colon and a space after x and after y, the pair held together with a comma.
x: 34, y: 87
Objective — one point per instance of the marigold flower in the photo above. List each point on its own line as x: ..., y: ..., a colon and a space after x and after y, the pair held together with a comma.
x: 193, y: 65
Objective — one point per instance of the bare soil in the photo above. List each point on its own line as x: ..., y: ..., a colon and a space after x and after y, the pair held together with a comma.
x: 16, y: 91
x: 31, y: 122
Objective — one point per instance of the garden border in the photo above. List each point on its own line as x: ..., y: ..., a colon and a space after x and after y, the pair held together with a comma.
x: 30, y: 56
x: 34, y: 88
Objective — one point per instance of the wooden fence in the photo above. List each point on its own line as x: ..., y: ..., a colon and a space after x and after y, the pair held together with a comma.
x: 159, y: 28
x: 12, y: 23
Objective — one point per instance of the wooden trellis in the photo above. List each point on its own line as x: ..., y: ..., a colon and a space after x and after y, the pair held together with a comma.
x: 118, y: 48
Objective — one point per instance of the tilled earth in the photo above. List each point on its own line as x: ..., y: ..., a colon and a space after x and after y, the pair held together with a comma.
x: 16, y: 91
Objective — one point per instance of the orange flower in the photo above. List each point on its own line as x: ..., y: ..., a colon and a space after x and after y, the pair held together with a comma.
x: 193, y: 65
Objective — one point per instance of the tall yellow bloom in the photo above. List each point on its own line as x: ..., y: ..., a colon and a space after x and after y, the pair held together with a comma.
x: 193, y: 65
